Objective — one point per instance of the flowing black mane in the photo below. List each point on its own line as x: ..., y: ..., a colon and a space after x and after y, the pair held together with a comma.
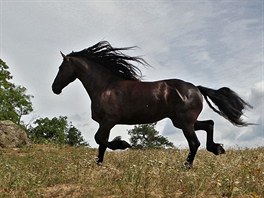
x: 113, y: 59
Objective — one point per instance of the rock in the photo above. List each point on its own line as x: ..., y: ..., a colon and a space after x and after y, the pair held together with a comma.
x: 12, y: 135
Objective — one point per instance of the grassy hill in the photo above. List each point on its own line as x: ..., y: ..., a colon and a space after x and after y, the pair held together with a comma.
x: 58, y: 171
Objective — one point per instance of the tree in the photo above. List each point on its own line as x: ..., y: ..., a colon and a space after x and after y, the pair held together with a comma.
x: 51, y: 130
x: 56, y: 130
x: 74, y: 137
x: 14, y: 102
x: 146, y: 136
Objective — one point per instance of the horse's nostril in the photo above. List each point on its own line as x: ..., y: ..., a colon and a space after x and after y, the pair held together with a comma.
x: 56, y: 90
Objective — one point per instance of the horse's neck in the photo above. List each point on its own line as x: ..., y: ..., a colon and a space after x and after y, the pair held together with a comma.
x: 96, y: 79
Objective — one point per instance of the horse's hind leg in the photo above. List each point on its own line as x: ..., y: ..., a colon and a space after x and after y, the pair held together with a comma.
x: 208, y: 126
x: 194, y: 144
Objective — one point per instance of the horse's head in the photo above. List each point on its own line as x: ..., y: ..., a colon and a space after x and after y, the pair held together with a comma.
x: 65, y: 75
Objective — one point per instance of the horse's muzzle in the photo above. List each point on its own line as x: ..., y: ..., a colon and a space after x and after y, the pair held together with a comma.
x: 56, y: 89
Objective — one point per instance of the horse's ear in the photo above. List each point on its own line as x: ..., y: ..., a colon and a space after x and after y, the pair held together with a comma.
x: 63, y: 56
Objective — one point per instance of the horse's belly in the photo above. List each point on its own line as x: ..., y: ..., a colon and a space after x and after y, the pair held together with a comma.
x: 145, y: 115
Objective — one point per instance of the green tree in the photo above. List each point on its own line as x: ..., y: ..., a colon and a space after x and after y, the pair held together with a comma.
x: 74, y: 137
x: 49, y: 130
x: 14, y: 102
x: 56, y: 130
x: 146, y: 136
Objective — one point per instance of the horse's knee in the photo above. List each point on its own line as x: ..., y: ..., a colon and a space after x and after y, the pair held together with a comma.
x: 98, y: 138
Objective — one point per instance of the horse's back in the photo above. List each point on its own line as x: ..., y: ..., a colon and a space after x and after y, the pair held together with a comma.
x: 170, y: 91
x: 180, y: 84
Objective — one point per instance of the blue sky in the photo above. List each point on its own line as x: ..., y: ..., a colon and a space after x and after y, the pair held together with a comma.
x: 209, y: 43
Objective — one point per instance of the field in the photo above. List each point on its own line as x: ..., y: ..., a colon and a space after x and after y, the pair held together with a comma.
x: 59, y: 171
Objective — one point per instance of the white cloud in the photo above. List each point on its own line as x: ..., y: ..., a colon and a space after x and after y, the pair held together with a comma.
x: 209, y: 43
x: 254, y: 135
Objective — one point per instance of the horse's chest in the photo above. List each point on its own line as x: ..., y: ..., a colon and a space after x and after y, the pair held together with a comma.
x: 107, y: 105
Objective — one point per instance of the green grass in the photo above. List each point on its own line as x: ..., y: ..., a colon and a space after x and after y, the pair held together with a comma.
x: 58, y: 171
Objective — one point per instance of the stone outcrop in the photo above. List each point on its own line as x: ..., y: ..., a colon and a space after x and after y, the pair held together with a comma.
x: 12, y: 135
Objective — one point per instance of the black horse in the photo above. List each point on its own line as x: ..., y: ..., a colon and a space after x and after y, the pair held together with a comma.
x: 118, y: 96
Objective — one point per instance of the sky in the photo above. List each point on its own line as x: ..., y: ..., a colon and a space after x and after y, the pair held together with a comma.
x: 208, y: 43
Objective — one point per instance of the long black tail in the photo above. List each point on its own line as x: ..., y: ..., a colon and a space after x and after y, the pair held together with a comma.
x: 230, y: 105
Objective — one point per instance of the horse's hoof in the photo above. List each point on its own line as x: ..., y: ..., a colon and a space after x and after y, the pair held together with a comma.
x: 117, y: 143
x: 216, y: 149
x: 187, y: 166
x: 99, y: 163
x: 220, y: 149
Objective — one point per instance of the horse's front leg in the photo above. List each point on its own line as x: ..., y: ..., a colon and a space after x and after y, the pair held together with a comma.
x: 101, y: 137
x: 208, y: 126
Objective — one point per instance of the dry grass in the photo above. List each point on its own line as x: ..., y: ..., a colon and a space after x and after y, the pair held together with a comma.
x: 53, y: 171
